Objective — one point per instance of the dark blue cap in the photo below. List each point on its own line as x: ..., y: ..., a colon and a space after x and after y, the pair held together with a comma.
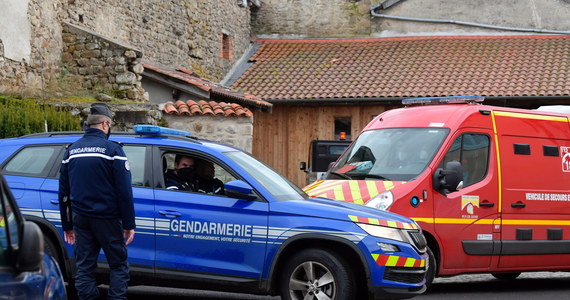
x: 101, y: 109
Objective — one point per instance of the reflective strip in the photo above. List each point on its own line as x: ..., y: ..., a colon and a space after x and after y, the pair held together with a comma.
x: 32, y: 212
x: 530, y: 116
x: 355, y: 192
x: 491, y: 221
x: 373, y: 221
x: 398, y: 261
x: 107, y: 157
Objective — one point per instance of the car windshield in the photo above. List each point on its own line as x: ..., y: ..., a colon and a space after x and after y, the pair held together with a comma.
x: 398, y: 154
x: 281, y: 188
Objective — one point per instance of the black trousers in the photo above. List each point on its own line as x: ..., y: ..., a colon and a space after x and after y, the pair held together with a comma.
x: 92, y: 235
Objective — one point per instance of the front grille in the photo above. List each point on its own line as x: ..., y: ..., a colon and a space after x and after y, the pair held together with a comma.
x: 406, y: 275
x: 419, y: 240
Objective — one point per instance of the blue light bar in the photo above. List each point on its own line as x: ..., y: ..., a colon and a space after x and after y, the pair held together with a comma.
x: 467, y: 99
x: 157, y: 130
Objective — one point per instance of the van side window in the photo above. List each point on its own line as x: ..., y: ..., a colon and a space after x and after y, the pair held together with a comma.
x: 472, y: 150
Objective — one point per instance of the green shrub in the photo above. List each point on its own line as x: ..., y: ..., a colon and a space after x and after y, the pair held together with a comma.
x: 25, y: 116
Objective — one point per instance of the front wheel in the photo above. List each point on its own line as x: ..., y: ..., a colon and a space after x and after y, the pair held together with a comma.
x: 432, y: 268
x: 317, y: 274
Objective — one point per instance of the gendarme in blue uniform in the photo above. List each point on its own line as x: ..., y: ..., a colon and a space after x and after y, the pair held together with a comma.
x: 95, y: 174
x: 96, y: 206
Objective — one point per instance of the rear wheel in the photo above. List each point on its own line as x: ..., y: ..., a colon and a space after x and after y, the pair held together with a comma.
x: 317, y: 274
x: 506, y: 276
x: 50, y: 249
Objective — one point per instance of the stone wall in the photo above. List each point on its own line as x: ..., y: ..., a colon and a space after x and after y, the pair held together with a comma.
x: 36, y: 34
x: 173, y: 33
x: 234, y: 131
x: 312, y: 18
x: 352, y: 18
x: 101, y: 64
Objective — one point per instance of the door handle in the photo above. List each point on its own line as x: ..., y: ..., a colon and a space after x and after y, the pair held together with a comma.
x: 487, y: 204
x: 54, y: 201
x: 518, y: 204
x: 170, y: 213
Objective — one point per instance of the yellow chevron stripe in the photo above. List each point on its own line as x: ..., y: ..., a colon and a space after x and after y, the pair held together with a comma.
x: 392, y: 261
x: 338, y: 195
x: 388, y: 185
x: 410, y: 262
x: 374, y: 221
x: 372, y: 189
x: 530, y: 116
x: 355, y: 192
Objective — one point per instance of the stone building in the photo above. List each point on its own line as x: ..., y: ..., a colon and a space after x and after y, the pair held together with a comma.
x: 205, y: 36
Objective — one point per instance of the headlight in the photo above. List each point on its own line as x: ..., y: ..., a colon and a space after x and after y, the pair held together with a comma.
x: 382, y: 201
x: 385, y: 232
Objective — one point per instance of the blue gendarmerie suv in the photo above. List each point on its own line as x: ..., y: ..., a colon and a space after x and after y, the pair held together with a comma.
x: 260, y: 235
x: 25, y: 271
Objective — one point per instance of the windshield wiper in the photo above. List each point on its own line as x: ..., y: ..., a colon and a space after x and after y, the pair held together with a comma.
x: 341, y: 175
x: 376, y: 176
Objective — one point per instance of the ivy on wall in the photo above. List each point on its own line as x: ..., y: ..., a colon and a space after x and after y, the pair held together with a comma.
x: 25, y: 116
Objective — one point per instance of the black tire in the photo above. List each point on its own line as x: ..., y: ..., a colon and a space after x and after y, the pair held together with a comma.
x: 296, y: 284
x: 50, y: 249
x: 432, y: 268
x: 506, y: 276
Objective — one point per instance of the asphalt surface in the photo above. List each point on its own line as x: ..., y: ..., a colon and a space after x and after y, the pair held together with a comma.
x: 538, y: 285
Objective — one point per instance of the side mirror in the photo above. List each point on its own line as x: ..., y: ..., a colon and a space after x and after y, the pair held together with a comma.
x: 303, y: 166
x: 239, y: 189
x: 448, y: 179
x: 331, y: 165
x: 31, y: 250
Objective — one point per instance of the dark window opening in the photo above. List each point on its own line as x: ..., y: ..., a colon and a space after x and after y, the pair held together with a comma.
x: 226, y: 51
x: 342, y: 128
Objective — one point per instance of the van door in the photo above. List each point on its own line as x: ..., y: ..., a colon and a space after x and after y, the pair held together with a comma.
x: 536, y: 191
x: 464, y: 219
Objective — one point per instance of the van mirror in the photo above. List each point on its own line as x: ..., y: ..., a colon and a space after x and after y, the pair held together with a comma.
x: 31, y: 250
x: 239, y: 189
x: 449, y: 179
x: 303, y: 166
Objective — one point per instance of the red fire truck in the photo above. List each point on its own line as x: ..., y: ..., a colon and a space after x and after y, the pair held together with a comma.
x: 490, y: 186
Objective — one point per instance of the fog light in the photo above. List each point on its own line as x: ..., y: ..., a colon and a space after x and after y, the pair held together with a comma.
x: 388, y: 247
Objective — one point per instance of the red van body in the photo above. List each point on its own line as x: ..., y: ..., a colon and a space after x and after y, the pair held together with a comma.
x: 503, y: 209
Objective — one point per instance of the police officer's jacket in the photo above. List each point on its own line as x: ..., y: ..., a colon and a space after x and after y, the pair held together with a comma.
x: 96, y: 180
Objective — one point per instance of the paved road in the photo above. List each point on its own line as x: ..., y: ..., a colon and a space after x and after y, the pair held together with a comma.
x: 541, y: 285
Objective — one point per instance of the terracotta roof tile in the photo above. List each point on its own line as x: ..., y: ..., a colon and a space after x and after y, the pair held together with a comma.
x: 216, y: 92
x: 202, y: 107
x: 409, y: 67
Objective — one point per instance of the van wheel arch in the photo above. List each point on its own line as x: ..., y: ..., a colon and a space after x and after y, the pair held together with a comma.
x: 353, y: 259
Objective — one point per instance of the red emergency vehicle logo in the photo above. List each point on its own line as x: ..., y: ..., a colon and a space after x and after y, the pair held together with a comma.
x: 565, y: 153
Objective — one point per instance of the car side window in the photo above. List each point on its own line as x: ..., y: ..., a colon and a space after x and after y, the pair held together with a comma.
x: 205, y: 176
x: 137, y: 162
x: 472, y: 150
x: 32, y: 161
